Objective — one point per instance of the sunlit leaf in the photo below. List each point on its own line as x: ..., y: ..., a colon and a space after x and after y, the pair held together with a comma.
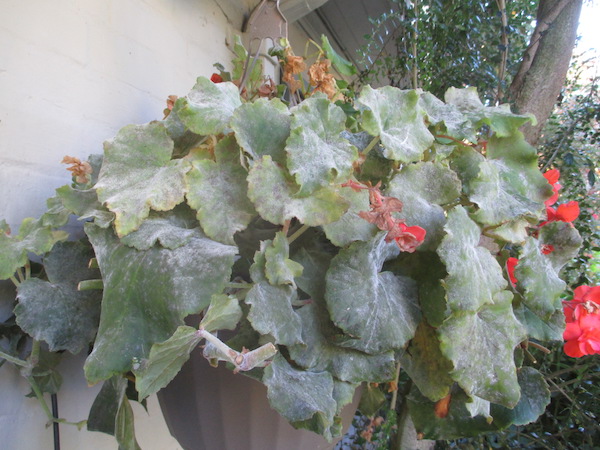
x: 223, y: 313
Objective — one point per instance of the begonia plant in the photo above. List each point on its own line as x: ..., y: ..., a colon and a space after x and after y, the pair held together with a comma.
x: 339, y: 235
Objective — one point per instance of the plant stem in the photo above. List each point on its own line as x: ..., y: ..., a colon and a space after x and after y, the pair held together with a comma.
x: 40, y: 396
x: 233, y: 285
x: 298, y: 233
x: 539, y: 347
x: 369, y: 147
x: 87, y: 285
x: 14, y: 360
x: 15, y: 281
x: 395, y: 393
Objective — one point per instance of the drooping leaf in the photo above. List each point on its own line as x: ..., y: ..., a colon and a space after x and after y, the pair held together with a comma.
x: 422, y: 188
x: 262, y: 127
x: 509, y: 185
x: 548, y: 329
x: 371, y: 400
x: 148, y: 293
x: 480, y: 345
x: 209, y: 106
x: 317, y: 153
x: 474, y: 275
x: 394, y: 115
x: 125, y: 430
x: 106, y: 405
x: 279, y: 269
x: 274, y: 195
x: 342, y: 65
x: 223, y: 313
x: 299, y: 395
x: 379, y: 311
x: 351, y: 227
x: 217, y: 190
x: 55, y: 311
x: 271, y: 309
x: 165, y: 361
x: 33, y: 237
x: 138, y: 174
x: 425, y: 364
x: 318, y: 354
x: 535, y: 396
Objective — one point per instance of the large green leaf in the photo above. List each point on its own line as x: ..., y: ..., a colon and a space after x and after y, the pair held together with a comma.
x: 342, y: 65
x: 33, y: 237
x: 351, y: 227
x: 539, y: 281
x: 217, y: 190
x: 509, y: 185
x: 299, y: 395
x: 274, y: 195
x: 422, y: 188
x: 425, y: 364
x: 138, y: 174
x: 317, y: 154
x: 318, y: 354
x: 379, y: 311
x: 262, y: 127
x: 474, y: 275
x: 271, y: 309
x: 209, y: 106
x: 148, y: 293
x: 54, y: 310
x: 395, y: 116
x: 165, y: 361
x: 480, y: 345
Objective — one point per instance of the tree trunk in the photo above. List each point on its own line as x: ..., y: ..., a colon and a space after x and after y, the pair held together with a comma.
x: 545, y: 63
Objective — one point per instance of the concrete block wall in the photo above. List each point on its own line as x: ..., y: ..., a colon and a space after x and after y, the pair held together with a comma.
x: 72, y: 73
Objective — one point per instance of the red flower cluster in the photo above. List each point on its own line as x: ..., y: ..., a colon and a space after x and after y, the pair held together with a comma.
x: 582, y: 334
x: 566, y: 212
x: 407, y: 238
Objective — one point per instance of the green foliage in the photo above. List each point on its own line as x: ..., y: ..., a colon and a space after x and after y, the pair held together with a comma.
x: 327, y: 273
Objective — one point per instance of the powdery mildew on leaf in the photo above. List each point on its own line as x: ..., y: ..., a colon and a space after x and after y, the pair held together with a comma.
x: 317, y: 154
x: 138, y: 174
x: 378, y: 310
x: 394, y: 115
x: 474, y: 275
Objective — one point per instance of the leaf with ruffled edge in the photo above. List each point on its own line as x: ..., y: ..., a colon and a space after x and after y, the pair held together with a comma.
x: 378, y: 311
x: 55, y: 311
x: 274, y: 195
x: 209, y: 106
x: 509, y: 185
x: 271, y: 309
x: 317, y: 154
x: 138, y: 174
x: 217, y: 190
x: 480, y: 345
x: 499, y: 118
x: 262, y: 128
x: 351, y: 227
x: 148, y: 293
x: 300, y: 396
x: 474, y: 275
x: 319, y: 354
x: 425, y: 365
x: 422, y: 188
x: 564, y: 240
x: 395, y: 116
x: 33, y: 237
x: 539, y: 281
x: 85, y: 205
x: 548, y: 329
x: 165, y: 361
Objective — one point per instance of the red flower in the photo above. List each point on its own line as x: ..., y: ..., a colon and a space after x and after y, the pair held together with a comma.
x: 547, y: 249
x: 216, y: 78
x: 511, y: 263
x: 582, y: 314
x: 552, y: 176
x: 567, y: 212
x: 407, y: 238
x: 585, y: 293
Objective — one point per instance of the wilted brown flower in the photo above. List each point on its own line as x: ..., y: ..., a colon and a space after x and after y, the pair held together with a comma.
x: 320, y: 77
x: 293, y: 65
x: 80, y: 170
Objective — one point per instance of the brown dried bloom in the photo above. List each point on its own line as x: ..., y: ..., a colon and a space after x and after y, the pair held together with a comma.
x: 321, y: 78
x: 293, y: 65
x: 171, y: 99
x: 80, y: 170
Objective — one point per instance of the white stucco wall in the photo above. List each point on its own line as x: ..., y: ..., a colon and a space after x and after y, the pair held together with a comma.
x: 72, y: 72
